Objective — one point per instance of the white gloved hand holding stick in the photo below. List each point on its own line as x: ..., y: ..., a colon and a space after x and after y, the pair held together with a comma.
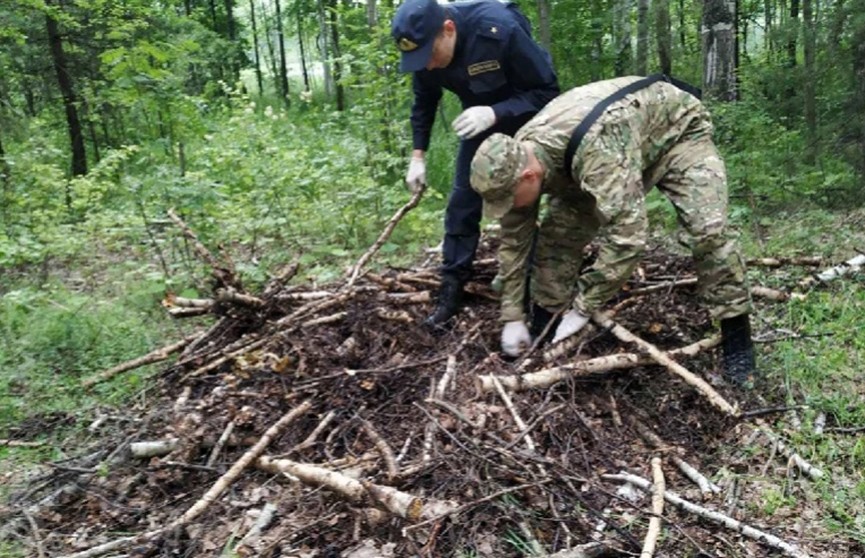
x: 571, y: 323
x: 515, y: 338
x: 415, y: 178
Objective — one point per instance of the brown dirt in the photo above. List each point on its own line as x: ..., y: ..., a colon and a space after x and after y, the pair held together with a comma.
x: 386, y: 380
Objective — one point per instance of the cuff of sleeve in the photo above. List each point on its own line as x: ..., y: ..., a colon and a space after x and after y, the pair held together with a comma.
x: 581, y: 306
x: 512, y: 314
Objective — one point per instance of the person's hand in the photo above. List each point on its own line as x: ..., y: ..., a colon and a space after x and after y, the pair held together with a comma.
x: 572, y: 322
x: 515, y: 338
x: 473, y: 121
x: 415, y: 178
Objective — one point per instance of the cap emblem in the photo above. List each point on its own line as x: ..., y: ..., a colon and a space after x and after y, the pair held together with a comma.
x: 406, y: 45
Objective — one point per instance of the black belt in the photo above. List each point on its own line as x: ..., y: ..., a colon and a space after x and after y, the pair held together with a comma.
x: 580, y: 131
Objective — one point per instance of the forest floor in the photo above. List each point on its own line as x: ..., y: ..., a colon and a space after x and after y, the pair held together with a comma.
x: 348, y: 379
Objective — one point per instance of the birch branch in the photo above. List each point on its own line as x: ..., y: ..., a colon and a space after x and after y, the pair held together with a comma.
x: 689, y: 377
x: 717, y: 517
x: 658, y: 488
x: 388, y: 230
x: 154, y: 356
x: 813, y: 472
x: 549, y: 376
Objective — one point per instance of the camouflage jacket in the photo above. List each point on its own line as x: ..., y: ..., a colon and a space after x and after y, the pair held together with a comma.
x: 622, y: 147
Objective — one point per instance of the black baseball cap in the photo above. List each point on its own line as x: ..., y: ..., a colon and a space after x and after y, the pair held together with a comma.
x: 414, y: 28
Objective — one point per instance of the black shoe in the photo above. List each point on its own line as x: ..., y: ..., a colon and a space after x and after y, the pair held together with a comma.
x: 737, y: 350
x: 450, y: 300
x: 541, y: 317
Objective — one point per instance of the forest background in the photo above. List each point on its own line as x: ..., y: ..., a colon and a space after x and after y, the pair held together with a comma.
x: 279, y: 130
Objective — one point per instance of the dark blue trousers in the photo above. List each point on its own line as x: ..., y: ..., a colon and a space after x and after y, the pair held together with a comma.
x: 463, y: 214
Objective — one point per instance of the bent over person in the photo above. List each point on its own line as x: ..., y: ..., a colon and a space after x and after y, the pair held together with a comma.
x: 484, y: 53
x: 597, y: 150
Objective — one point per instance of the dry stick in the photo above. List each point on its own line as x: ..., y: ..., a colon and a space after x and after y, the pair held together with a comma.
x: 707, y: 488
x: 220, y: 443
x: 792, y: 456
x: 627, y: 337
x: 232, y: 296
x: 804, y: 261
x: 717, y: 517
x: 37, y: 539
x: 460, y: 509
x: 776, y: 295
x: 658, y: 488
x: 313, y: 436
x: 383, y: 448
x: 223, y: 272
x: 265, y: 518
x: 391, y: 225
x: 20, y: 444
x: 210, y: 496
x: 549, y: 376
x: 398, y: 503
x: 530, y: 443
x: 151, y: 357
x: 757, y: 290
x: 447, y: 377
x: 323, y: 320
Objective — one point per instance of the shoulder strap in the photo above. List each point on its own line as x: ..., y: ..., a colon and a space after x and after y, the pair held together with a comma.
x: 583, y: 127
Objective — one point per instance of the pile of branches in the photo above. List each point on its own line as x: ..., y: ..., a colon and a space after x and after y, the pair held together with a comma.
x: 331, y: 422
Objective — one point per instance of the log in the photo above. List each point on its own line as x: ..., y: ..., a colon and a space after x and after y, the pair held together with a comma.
x: 549, y: 376
x: 717, y: 517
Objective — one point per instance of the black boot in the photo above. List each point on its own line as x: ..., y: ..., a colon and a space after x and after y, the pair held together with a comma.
x: 540, y: 318
x: 450, y: 299
x: 737, y: 349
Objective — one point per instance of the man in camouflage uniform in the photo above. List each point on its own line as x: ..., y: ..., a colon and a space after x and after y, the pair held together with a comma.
x: 638, y: 135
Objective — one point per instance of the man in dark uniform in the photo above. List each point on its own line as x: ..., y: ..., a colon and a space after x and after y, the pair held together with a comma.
x: 483, y: 52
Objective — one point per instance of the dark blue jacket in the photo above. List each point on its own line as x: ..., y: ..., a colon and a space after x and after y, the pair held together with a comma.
x: 496, y: 63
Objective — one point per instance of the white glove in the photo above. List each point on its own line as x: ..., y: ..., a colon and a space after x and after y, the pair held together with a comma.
x: 415, y: 178
x: 572, y: 322
x: 516, y: 338
x: 473, y: 121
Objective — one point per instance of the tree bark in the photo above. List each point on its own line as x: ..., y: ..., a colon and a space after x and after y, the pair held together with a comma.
x: 859, y: 77
x: 67, y: 90
x: 642, y: 36
x: 792, y: 33
x: 300, y: 43
x: 719, y: 49
x: 323, y: 44
x: 663, y: 36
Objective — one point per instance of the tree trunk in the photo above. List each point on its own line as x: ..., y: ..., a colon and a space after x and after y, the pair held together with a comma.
x: 719, y: 49
x: 268, y: 39
x: 663, y: 36
x: 371, y: 15
x: 683, y: 41
x: 300, y: 42
x: 283, y: 68
x: 622, y: 37
x: 642, y: 36
x: 545, y: 32
x: 769, y: 23
x: 809, y: 84
x: 858, y: 42
x: 323, y: 40
x: 64, y: 81
x: 237, y: 48
x: 212, y: 5
x: 258, y: 77
x: 792, y: 33
x: 334, y: 49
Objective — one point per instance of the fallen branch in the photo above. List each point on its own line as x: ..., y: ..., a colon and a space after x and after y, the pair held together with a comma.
x: 210, y: 496
x: 383, y: 448
x: 658, y: 488
x: 549, y: 376
x: 157, y: 355
x: 396, y: 502
x: 791, y: 456
x: 718, y: 517
x: 627, y: 337
x: 850, y: 266
x: 223, y: 272
x: 388, y: 230
x: 805, y: 261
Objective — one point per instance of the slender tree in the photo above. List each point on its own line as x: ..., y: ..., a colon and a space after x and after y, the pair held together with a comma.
x: 283, y: 64
x: 810, y: 78
x: 303, y: 54
x: 545, y: 33
x: 792, y: 33
x: 642, y: 36
x: 663, y: 37
x: 257, y: 59
x: 334, y: 49
x: 67, y: 90
x: 622, y: 37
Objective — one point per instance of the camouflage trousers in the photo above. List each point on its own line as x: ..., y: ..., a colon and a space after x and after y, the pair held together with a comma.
x: 692, y: 176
